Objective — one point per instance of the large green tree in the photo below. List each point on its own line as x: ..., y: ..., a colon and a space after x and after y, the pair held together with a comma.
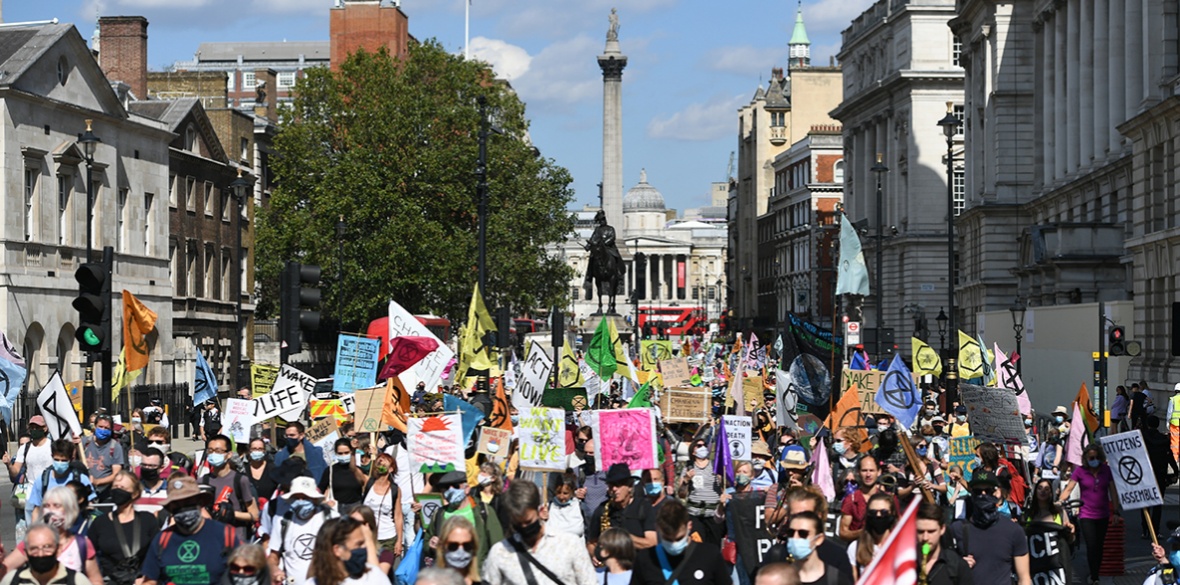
x: 390, y: 146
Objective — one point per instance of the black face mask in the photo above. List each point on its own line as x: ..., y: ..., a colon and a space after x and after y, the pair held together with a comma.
x: 120, y: 497
x: 879, y: 524
x: 149, y: 476
x: 529, y: 532
x: 986, y: 510
x: 43, y: 564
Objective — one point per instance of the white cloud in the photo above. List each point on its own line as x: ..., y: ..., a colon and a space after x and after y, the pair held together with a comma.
x: 562, y: 74
x: 710, y: 120
x: 507, y: 60
x: 832, y: 16
x: 743, y: 59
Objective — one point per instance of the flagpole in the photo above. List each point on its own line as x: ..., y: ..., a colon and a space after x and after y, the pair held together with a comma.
x: 467, y: 29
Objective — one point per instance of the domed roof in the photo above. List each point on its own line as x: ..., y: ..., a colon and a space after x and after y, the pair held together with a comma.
x: 643, y: 197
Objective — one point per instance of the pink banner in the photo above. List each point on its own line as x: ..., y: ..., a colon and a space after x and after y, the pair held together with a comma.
x: 626, y: 436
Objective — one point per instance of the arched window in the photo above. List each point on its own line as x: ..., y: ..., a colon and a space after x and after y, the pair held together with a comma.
x: 838, y: 171
x: 190, y: 138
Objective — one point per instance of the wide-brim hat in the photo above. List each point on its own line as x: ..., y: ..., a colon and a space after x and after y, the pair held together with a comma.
x: 1061, y: 410
x: 182, y: 487
x: 794, y: 459
x: 618, y: 473
x: 452, y: 478
x: 304, y: 486
x: 760, y: 448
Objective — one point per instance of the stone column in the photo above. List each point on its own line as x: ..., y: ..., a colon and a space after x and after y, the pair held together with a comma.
x: 1048, y: 99
x: 1133, y: 56
x: 1103, y: 126
x: 1086, y: 68
x: 1060, y: 156
x: 1117, y: 101
x: 612, y: 62
x: 1073, y: 120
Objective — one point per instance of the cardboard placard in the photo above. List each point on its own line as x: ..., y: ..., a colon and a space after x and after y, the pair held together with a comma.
x: 867, y: 382
x: 739, y: 433
x: 994, y: 414
x: 1134, y: 479
x: 322, y: 428
x: 675, y: 371
x: 752, y: 392
x: 493, y: 441
x: 685, y: 404
x: 542, y: 439
x: 369, y: 404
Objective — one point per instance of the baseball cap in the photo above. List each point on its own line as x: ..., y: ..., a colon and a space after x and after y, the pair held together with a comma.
x: 37, y: 420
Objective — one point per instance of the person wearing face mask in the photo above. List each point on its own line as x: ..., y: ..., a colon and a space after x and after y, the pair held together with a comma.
x: 32, y: 458
x: 805, y: 535
x: 458, y: 549
x: 678, y: 558
x: 700, y: 489
x: 879, y: 520
x: 289, y: 552
x: 591, y: 481
x: 739, y: 510
x: 765, y: 474
x: 261, y: 471
x: 153, y: 488
x: 122, y: 537
x: 44, y: 568
x: 616, y: 557
x: 1099, y: 502
x: 382, y: 494
x: 994, y: 548
x: 104, y: 456
x: 234, y: 502
x: 625, y: 508
x: 457, y: 503
x: 341, y: 556
x: 960, y: 427
x: 193, y: 548
x: 564, y: 515
x: 296, y: 442
x: 74, y: 552
x: 247, y: 566
x: 344, y: 482
x: 938, y: 436
x: 62, y: 472
x: 531, y: 553
x: 176, y: 461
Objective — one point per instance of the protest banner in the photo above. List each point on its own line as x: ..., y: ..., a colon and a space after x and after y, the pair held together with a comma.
x: 685, y: 404
x: 237, y: 419
x: 752, y: 392
x: 436, y: 443
x: 356, y: 363
x: 626, y: 436
x: 55, y: 405
x: 534, y: 377
x: 369, y: 406
x: 542, y: 439
x: 430, y: 368
x: 430, y: 505
x: 493, y: 441
x: 292, y: 389
x: 322, y: 428
x: 739, y: 433
x: 262, y: 379
x: 348, y: 401
x: 847, y: 417
x: 652, y: 351
x: 568, y: 399
x: 993, y: 414
x: 867, y: 383
x: 594, y: 384
x: 962, y: 453
x: 750, y: 531
x: 1049, y: 552
x: 75, y: 391
x: 675, y: 371
x: 1134, y: 479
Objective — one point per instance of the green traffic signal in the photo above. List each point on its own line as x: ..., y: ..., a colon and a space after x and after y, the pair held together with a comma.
x: 90, y: 338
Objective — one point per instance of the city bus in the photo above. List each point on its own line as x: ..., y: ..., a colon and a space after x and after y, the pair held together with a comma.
x: 673, y: 321
x: 439, y: 326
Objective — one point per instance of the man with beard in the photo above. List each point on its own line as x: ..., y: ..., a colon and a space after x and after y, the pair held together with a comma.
x: 993, y: 547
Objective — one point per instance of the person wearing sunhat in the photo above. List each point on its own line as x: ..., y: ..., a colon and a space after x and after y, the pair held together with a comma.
x: 765, y: 474
x: 993, y: 547
x: 193, y: 549
x: 621, y: 508
x: 289, y: 550
x: 1061, y: 420
x: 458, y: 502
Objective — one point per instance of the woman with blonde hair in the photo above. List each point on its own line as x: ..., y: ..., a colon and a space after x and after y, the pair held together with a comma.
x: 116, y: 534
x: 458, y: 548
x: 59, y: 509
x: 247, y: 566
x: 341, y: 556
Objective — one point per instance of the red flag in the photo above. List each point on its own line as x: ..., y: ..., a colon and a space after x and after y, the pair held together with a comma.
x: 897, y: 564
x: 404, y: 352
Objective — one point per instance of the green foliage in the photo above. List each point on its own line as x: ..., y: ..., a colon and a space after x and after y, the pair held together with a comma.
x: 390, y: 146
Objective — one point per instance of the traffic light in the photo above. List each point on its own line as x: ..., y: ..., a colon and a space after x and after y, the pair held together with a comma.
x: 1116, y: 340
x: 94, y: 305
x: 294, y: 296
x: 503, y: 328
x: 640, y: 276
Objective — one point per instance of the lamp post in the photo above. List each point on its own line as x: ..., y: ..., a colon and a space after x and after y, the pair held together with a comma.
x: 481, y: 193
x: 89, y: 144
x: 1018, y: 309
x: 240, y: 187
x: 880, y: 169
x: 950, y: 127
x: 941, y: 318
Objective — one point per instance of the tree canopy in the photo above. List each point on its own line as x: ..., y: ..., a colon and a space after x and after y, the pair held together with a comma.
x: 390, y: 147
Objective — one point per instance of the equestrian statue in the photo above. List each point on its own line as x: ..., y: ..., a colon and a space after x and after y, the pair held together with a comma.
x: 606, y: 269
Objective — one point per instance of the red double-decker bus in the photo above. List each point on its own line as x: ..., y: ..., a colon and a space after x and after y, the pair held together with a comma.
x: 673, y: 321
x: 379, y: 328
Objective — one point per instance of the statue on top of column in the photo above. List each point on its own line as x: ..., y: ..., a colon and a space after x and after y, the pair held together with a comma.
x: 612, y: 33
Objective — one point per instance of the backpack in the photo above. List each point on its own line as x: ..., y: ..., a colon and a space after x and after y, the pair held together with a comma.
x: 167, y: 533
x: 205, y: 480
x: 1017, y: 486
x: 72, y: 474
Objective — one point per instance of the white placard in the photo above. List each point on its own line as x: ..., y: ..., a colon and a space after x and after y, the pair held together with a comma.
x: 430, y: 368
x: 348, y: 401
x: 239, y: 417
x: 59, y: 412
x: 289, y: 397
x: 592, y: 382
x: 1134, y: 479
x: 534, y: 376
x: 436, y: 440
x: 739, y: 434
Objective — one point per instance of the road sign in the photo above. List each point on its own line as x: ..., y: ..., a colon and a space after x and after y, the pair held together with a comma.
x: 852, y: 333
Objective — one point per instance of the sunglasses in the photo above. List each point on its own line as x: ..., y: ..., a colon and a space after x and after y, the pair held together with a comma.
x: 468, y: 546
x: 877, y: 513
x: 243, y: 569
x: 792, y: 533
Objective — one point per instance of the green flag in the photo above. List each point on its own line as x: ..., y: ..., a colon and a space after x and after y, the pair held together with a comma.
x: 642, y: 398
x: 600, y: 355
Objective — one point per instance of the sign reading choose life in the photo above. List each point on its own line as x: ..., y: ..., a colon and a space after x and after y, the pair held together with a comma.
x: 1133, y: 477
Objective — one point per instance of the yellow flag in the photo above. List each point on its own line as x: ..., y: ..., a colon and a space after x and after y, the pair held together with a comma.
x: 924, y: 358
x: 569, y: 375
x: 121, y: 377
x: 473, y: 354
x: 970, y: 358
x: 138, y: 321
x: 623, y: 364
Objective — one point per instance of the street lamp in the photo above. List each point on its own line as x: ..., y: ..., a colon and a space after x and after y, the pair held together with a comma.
x: 1018, y: 309
x: 240, y: 187
x: 89, y: 144
x: 950, y: 127
x: 481, y: 193
x: 941, y: 318
x: 880, y: 169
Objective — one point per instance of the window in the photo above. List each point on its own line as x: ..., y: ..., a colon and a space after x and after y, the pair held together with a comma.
x: 960, y: 191
x: 63, y: 207
x: 190, y: 138
x: 286, y: 79
x: 173, y: 190
x: 190, y: 193
x: 174, y: 263
x: 229, y: 80
x: 148, y: 200
x: 838, y: 171
x: 121, y: 218
x: 190, y: 273
x: 31, y: 175
x: 225, y: 205
x: 961, y: 113
x: 245, y: 149
x: 210, y: 279
x: 956, y: 51
x: 243, y: 254
x: 226, y: 272
x: 248, y: 82
x: 210, y: 195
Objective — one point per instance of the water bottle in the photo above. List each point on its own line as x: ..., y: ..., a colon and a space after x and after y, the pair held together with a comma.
x: 21, y: 528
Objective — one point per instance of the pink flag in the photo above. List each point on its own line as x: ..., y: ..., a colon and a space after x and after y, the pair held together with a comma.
x: 1008, y: 378
x: 821, y: 472
x: 404, y: 352
x: 1077, y: 437
x: 897, y: 561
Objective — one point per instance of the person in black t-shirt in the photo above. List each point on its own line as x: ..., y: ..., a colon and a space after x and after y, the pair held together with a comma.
x: 689, y: 563
x: 941, y: 565
x: 121, y: 538
x: 993, y: 546
x: 344, y: 481
x: 622, y: 507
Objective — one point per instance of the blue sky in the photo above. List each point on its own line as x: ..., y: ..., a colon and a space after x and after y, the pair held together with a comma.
x: 691, y: 65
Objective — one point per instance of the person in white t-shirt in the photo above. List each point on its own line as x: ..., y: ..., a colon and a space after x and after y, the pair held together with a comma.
x: 294, y: 539
x: 34, y: 457
x: 345, y: 554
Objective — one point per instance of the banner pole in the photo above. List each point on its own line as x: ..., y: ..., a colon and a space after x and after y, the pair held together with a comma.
x: 1150, y: 528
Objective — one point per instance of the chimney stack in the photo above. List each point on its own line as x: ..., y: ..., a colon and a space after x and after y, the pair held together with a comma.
x: 123, y: 54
